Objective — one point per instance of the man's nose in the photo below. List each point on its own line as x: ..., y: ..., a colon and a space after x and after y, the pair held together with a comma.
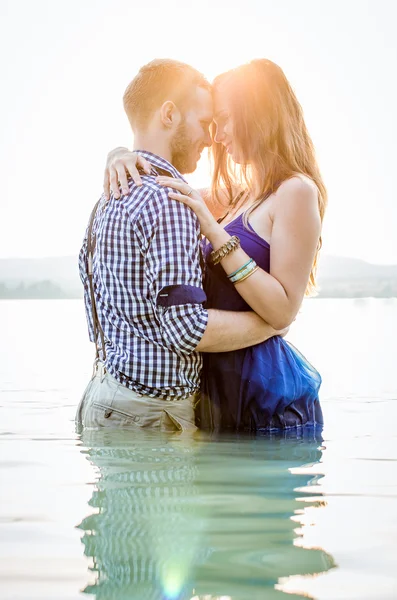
x: 208, y: 140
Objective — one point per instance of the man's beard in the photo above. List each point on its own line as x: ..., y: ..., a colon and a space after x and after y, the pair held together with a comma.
x: 181, y: 150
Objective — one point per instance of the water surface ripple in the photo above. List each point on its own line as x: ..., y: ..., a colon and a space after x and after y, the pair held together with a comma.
x: 132, y: 515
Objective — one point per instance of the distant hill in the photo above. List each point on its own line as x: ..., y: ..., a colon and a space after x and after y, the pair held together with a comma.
x: 59, y: 269
x: 338, y: 267
x: 57, y: 277
x: 53, y: 277
x: 340, y: 277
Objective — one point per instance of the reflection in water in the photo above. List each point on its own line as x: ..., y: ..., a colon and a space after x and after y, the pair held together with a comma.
x: 181, y: 517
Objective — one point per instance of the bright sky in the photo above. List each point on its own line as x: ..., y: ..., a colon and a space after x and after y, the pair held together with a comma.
x: 65, y: 65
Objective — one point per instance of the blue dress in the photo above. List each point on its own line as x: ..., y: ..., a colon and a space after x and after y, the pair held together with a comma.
x: 269, y: 386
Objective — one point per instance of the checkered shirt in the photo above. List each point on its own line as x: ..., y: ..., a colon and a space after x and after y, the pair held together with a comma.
x: 145, y: 242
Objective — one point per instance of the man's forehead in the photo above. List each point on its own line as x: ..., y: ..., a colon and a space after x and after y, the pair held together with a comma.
x: 204, y: 103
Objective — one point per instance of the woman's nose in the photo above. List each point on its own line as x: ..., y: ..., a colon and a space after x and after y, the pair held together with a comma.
x: 219, y: 135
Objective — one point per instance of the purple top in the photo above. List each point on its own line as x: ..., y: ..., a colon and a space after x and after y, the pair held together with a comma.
x: 264, y: 387
x: 221, y: 293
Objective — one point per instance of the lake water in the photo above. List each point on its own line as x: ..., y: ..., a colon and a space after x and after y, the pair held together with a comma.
x: 116, y: 516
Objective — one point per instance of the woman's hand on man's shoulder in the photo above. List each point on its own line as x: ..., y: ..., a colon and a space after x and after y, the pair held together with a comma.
x: 121, y: 163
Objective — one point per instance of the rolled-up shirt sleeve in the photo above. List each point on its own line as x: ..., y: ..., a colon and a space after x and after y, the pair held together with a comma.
x: 169, y: 237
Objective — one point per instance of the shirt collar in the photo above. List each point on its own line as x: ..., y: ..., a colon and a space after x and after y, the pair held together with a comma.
x: 158, y: 161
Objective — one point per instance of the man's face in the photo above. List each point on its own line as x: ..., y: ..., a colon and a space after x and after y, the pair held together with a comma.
x: 192, y: 134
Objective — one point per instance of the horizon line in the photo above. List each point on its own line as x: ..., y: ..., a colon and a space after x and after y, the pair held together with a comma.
x: 334, y: 256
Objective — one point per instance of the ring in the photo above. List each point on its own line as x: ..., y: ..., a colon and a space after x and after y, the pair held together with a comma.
x: 189, y: 193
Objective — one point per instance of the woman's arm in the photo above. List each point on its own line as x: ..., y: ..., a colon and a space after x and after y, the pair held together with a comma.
x: 274, y: 296
x: 122, y: 163
x: 277, y: 296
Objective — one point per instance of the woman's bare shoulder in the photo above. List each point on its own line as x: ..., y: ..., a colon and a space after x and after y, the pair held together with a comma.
x: 299, y: 183
x: 299, y: 187
x: 297, y: 201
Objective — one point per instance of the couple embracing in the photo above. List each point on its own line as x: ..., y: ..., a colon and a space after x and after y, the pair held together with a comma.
x: 188, y: 294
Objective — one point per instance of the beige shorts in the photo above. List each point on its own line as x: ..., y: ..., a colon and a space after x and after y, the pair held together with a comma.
x: 107, y: 403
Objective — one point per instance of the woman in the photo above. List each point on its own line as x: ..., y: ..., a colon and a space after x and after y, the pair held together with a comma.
x: 265, y: 168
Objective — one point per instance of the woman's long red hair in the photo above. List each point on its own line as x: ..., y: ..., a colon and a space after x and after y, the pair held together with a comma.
x: 270, y: 136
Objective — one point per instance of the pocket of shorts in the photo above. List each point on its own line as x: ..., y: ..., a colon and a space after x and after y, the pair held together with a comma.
x: 113, y: 406
x: 106, y: 416
x: 117, y: 410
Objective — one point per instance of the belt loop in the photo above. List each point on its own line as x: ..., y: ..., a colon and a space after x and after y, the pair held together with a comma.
x: 99, y: 369
x: 94, y: 368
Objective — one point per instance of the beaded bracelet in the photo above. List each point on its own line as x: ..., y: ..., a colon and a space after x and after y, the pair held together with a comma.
x: 247, y: 275
x: 232, y: 244
x: 247, y: 268
x: 237, y: 270
x: 243, y: 271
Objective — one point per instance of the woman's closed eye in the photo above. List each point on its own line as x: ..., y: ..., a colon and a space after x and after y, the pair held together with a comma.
x: 221, y: 119
x: 205, y: 125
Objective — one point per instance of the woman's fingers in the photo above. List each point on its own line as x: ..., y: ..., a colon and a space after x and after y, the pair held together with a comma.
x: 176, y: 184
x: 181, y: 186
x: 121, y: 176
x: 118, y: 172
x: 106, y: 184
x: 144, y: 164
x: 114, y: 182
x: 131, y: 163
x: 116, y: 177
x: 130, y: 166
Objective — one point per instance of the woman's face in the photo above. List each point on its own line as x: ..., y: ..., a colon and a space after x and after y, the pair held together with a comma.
x: 223, y: 121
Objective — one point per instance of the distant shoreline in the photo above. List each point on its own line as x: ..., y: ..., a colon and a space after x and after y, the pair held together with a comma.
x: 58, y: 278
x: 59, y: 294
x: 318, y: 297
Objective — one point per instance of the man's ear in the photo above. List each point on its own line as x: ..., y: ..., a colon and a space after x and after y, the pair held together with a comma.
x: 169, y: 114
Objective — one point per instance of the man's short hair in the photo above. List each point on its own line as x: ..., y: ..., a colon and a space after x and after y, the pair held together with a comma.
x: 159, y: 81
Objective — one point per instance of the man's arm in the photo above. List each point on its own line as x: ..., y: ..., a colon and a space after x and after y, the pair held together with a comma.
x: 231, y: 330
x: 169, y: 235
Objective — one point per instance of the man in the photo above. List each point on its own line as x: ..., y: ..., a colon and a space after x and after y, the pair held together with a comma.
x: 140, y: 266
